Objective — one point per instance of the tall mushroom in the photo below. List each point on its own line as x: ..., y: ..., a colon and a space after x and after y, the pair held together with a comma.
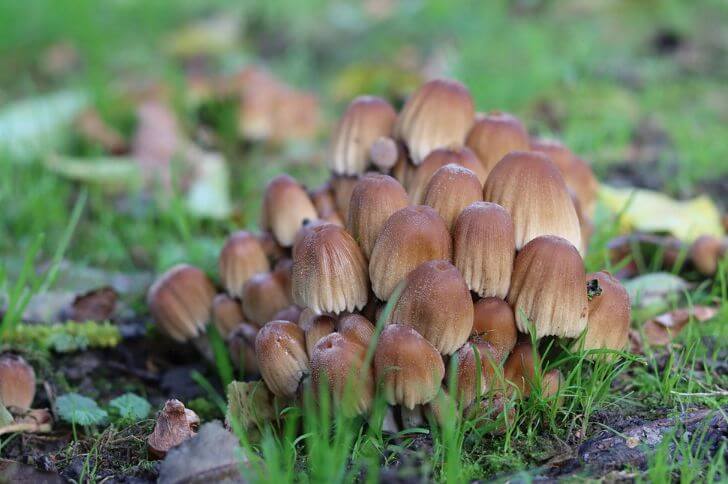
x: 241, y: 257
x: 609, y: 314
x: 286, y: 205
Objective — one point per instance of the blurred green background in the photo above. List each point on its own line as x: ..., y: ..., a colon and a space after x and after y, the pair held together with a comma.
x: 637, y: 87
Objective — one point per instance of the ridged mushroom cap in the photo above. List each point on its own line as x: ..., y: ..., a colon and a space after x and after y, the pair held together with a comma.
x: 409, y: 237
x: 241, y: 346
x: 280, y: 348
x: 436, y: 115
x: 357, y: 328
x: 17, y: 382
x: 286, y: 205
x: 495, y: 323
x: 577, y: 173
x: 264, y: 295
x: 436, y: 302
x: 609, y: 314
x: 548, y: 288
x: 173, y: 426
x: 475, y: 367
x: 450, y: 190
x: 241, y: 257
x: 494, y: 135
x: 374, y: 199
x: 343, y: 187
x: 530, y: 187
x: 323, y: 200
x: 315, y: 326
x: 484, y: 248
x: 408, y: 366
x: 706, y: 253
x: 520, y: 368
x: 330, y: 271
x: 365, y: 119
x: 337, y: 364
x: 421, y: 175
x: 227, y: 314
x: 180, y: 301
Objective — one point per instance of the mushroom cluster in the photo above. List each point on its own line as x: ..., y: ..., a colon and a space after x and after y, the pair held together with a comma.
x: 471, y: 229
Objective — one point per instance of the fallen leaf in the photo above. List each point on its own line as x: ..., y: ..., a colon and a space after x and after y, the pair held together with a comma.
x: 208, y: 36
x: 655, y: 212
x: 653, y: 292
x: 213, y: 455
x: 662, y: 329
x: 95, y: 305
x: 113, y: 174
x: 209, y: 192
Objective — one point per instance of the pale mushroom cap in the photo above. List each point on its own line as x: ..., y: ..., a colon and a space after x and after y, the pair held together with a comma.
x: 339, y: 362
x: 280, y: 348
x: 285, y: 207
x: 421, y: 175
x: 472, y: 380
x: 365, y: 119
x: 495, y: 323
x: 409, y: 237
x: 437, y: 115
x: 330, y: 272
x: 374, y: 199
x: 180, y: 301
x: 436, y: 302
x: 227, y: 314
x: 17, y: 382
x: 241, y: 257
x: 530, y: 187
x: 484, y: 248
x: 263, y: 296
x: 450, y: 190
x: 410, y: 368
x: 609, y: 314
x: 494, y: 135
x: 357, y: 328
x: 548, y: 288
x: 315, y: 327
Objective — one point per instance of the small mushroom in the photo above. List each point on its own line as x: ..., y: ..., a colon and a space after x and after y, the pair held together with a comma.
x: 374, y: 199
x: 343, y: 187
x: 264, y: 295
x: 462, y: 156
x: 357, y: 328
x: 366, y: 119
x: 609, y: 314
x: 411, y: 236
x: 17, y: 382
x: 174, y: 425
x: 181, y: 302
x: 286, y: 205
x: 475, y: 366
x: 241, y: 257
x: 324, y: 201
x: 280, y: 348
x: 494, y: 135
x: 437, y: 115
x: 547, y: 289
x: 495, y: 324
x: 315, y: 327
x: 227, y: 314
x: 484, y: 248
x: 450, y: 190
x: 329, y: 271
x: 409, y: 368
x: 707, y: 252
x: 241, y: 346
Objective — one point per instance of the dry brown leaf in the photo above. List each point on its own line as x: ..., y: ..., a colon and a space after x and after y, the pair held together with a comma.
x: 660, y: 330
x: 95, y: 305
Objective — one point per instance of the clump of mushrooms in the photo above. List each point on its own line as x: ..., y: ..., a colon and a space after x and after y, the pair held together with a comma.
x: 471, y: 230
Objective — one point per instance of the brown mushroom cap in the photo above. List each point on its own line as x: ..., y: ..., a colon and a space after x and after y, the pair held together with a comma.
x: 280, y: 347
x: 263, y: 296
x: 707, y: 252
x: 315, y: 327
x: 472, y: 380
x: 324, y: 201
x: 241, y: 257
x: 530, y: 187
x: 365, y: 119
x: 330, y: 271
x: 173, y: 427
x: 241, y: 346
x: 180, y: 301
x: 462, y: 156
x: 495, y: 323
x: 343, y: 187
x: 436, y: 115
x: 374, y: 199
x: 484, y: 248
x: 285, y: 207
x: 409, y: 367
x: 272, y: 249
x: 17, y: 382
x: 357, y: 328
x: 450, y: 190
x: 436, y: 302
x: 609, y: 314
x: 548, y: 288
x: 409, y: 237
x: 519, y: 368
x: 494, y: 135
x: 577, y: 173
x: 292, y: 313
x: 227, y: 314
x: 339, y: 362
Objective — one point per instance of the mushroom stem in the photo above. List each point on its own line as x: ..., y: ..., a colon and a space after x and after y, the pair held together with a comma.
x: 412, y: 418
x: 389, y: 424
